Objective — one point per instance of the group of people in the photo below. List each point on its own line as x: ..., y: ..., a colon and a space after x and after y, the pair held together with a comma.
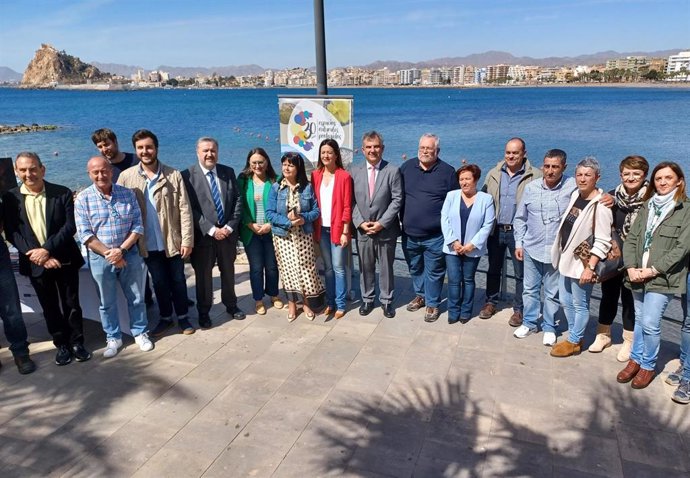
x: 140, y: 215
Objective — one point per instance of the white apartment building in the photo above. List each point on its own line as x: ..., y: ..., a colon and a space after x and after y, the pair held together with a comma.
x: 676, y: 63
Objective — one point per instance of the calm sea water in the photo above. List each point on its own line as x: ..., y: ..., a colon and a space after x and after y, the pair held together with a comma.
x: 474, y: 124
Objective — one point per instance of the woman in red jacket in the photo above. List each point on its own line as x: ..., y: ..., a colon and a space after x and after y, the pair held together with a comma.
x: 333, y: 188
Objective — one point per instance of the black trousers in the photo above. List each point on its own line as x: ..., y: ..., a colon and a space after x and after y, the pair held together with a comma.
x: 204, y: 257
x: 611, y: 290
x: 58, y: 293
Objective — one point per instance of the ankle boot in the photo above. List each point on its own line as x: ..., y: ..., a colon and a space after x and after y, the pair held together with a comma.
x: 602, y: 340
x: 626, y: 348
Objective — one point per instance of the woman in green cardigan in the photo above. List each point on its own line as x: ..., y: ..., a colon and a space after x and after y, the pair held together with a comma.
x: 255, y: 232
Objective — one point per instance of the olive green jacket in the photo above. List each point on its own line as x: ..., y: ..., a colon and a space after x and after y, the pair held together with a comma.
x: 668, y: 252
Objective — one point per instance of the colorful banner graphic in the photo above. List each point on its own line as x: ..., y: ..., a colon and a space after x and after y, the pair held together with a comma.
x: 306, y: 121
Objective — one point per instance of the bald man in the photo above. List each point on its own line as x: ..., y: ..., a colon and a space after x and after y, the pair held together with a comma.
x: 109, y: 224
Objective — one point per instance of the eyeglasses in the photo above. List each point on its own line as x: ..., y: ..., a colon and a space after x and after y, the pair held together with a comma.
x: 632, y: 175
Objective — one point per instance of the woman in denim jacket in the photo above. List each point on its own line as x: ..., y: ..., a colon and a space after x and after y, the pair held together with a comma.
x: 292, y: 210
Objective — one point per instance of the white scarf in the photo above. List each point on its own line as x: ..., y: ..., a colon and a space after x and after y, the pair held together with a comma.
x: 659, y: 207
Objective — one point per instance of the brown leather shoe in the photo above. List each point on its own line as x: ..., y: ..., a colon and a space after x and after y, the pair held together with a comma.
x: 515, y: 319
x: 431, y: 314
x: 415, y: 304
x: 488, y: 311
x: 643, y: 378
x: 566, y: 349
x: 629, y: 372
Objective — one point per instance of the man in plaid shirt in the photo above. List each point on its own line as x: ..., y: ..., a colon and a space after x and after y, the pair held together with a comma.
x: 109, y: 224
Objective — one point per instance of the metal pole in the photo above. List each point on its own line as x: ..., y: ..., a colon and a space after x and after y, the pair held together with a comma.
x: 320, y: 32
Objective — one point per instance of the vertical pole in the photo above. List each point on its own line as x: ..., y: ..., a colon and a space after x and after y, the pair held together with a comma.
x: 320, y: 32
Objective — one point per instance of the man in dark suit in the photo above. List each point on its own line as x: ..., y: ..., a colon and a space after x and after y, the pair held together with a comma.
x: 377, y: 201
x: 39, y: 222
x: 216, y: 210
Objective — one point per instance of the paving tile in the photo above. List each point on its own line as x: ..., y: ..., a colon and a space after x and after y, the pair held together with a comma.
x: 279, y: 423
x: 250, y: 388
x: 245, y: 460
x: 306, y: 382
x: 580, y: 451
x: 661, y: 452
x: 382, y: 461
x: 463, y: 466
x: 634, y: 469
x: 304, y: 461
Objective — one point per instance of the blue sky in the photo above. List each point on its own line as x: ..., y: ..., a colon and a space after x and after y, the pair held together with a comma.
x: 279, y: 33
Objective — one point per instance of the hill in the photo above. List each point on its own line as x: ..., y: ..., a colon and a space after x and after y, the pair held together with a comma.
x: 50, y: 66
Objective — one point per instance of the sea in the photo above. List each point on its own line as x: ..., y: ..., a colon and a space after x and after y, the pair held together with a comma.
x: 473, y: 124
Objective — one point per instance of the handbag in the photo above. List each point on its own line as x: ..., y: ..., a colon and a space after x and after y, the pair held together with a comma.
x: 609, y: 266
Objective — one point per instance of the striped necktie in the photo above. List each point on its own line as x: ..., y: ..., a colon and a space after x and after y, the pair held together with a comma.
x: 216, y: 197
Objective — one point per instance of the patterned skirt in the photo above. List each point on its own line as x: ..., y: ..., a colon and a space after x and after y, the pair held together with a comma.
x: 297, y: 266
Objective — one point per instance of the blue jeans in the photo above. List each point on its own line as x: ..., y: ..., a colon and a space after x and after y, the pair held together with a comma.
x: 427, y: 264
x: 169, y: 283
x: 461, y: 271
x: 685, y: 334
x: 131, y: 279
x: 575, y: 302
x: 649, y: 308
x: 263, y: 268
x: 334, y: 258
x: 497, y: 244
x: 538, y: 274
x: 10, y: 307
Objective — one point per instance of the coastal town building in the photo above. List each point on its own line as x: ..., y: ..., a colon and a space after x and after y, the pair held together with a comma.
x: 678, y: 67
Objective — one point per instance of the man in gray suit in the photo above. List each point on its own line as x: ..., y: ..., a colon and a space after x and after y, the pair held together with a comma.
x: 216, y: 210
x: 376, y: 203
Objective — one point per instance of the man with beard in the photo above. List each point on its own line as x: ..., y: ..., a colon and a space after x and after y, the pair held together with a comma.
x: 168, y: 231
x: 426, y: 181
x: 106, y: 142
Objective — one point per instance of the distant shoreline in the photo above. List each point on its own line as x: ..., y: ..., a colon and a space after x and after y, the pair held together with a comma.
x: 101, y: 87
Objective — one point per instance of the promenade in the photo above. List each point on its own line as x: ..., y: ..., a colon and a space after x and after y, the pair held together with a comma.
x: 362, y: 396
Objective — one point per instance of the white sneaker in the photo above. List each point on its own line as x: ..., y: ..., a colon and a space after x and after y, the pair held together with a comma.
x: 111, y: 348
x: 144, y: 342
x: 522, y: 332
x: 549, y: 339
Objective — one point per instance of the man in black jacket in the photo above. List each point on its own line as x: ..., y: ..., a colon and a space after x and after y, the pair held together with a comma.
x: 39, y: 222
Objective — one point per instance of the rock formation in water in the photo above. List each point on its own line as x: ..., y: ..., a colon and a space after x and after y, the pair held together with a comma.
x: 50, y: 66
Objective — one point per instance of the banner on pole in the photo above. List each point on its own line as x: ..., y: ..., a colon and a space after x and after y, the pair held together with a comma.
x: 305, y: 121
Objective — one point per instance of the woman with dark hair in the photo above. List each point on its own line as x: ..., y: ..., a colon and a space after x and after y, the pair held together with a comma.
x: 655, y: 257
x: 627, y: 203
x: 467, y: 217
x: 292, y: 210
x: 586, y: 222
x: 255, y: 183
x: 333, y: 188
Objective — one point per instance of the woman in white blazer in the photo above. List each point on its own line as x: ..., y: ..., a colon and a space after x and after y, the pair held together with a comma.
x: 576, y: 282
x: 466, y: 221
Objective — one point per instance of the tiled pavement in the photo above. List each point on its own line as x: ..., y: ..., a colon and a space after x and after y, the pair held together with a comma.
x: 363, y: 396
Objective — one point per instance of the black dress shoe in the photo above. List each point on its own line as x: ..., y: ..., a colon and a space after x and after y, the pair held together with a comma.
x: 455, y: 321
x: 236, y: 313
x: 24, y: 364
x: 366, y: 308
x: 388, y: 310
x: 205, y: 322
x: 63, y: 356
x: 80, y: 353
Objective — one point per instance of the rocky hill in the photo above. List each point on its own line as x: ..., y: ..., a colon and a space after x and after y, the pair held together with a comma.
x: 49, y: 66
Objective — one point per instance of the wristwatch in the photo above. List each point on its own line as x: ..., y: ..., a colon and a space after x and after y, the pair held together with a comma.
x: 123, y: 250
x: 591, y: 267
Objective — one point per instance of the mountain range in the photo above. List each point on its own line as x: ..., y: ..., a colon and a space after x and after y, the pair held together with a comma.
x: 477, y: 59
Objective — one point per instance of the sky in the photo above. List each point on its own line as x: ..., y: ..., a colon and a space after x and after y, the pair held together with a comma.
x: 280, y: 33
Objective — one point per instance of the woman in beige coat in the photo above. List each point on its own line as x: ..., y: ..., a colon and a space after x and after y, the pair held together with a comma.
x: 585, y: 217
